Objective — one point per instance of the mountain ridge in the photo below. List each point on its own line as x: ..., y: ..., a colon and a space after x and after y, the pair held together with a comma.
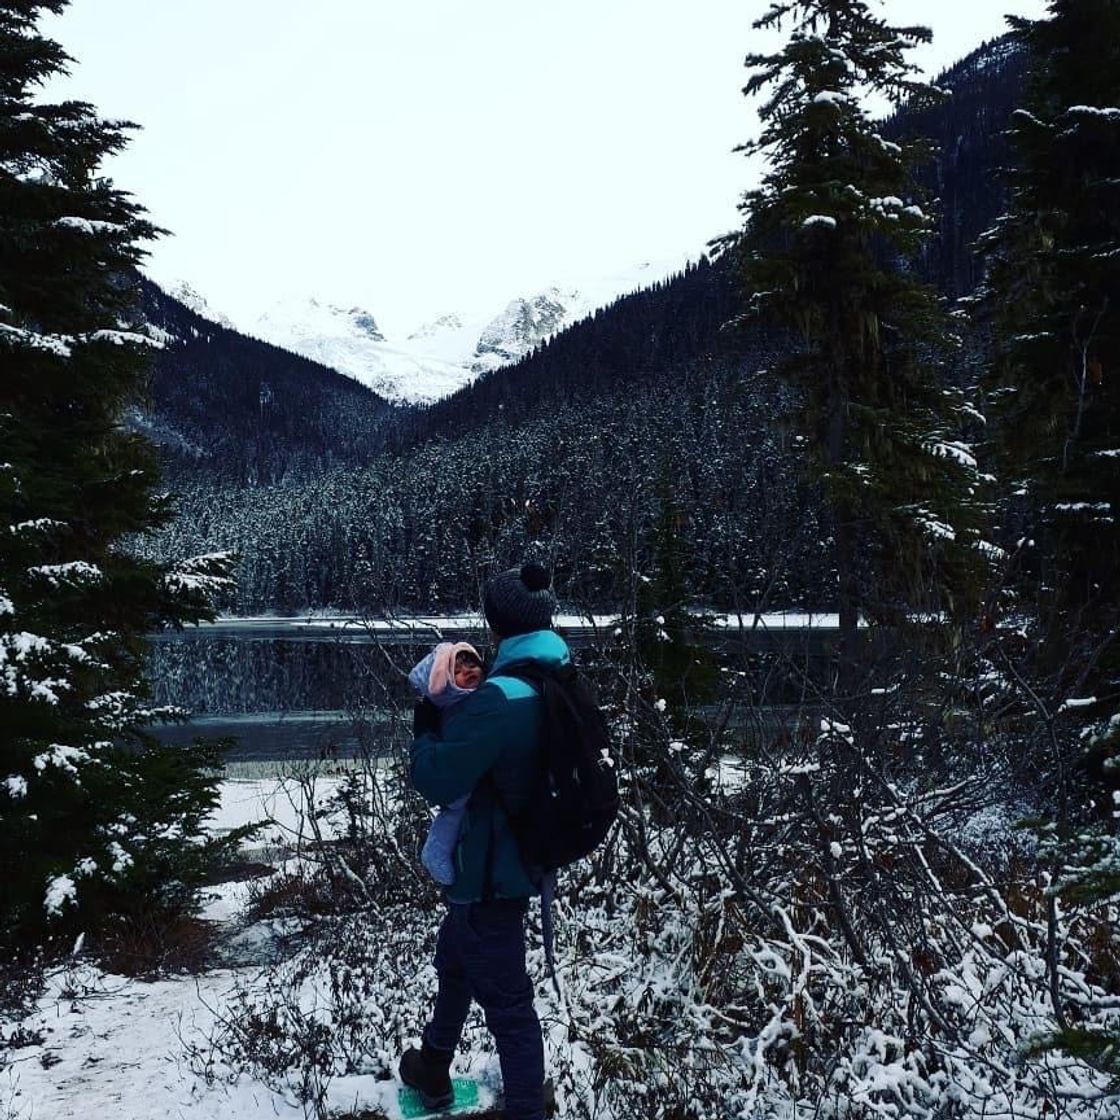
x: 440, y: 356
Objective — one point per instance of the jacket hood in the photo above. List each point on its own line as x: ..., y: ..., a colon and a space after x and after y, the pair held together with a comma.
x: 544, y: 646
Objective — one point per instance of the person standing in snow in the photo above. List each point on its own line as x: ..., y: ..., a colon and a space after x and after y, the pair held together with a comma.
x: 450, y: 673
x: 489, y: 749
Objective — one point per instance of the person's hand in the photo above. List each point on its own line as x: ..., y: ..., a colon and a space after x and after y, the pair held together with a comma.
x: 425, y: 718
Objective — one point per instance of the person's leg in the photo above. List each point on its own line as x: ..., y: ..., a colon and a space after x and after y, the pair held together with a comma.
x: 453, y: 1000
x: 428, y: 1069
x: 494, y: 962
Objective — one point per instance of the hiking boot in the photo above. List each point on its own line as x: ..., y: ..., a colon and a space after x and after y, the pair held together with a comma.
x: 426, y: 1071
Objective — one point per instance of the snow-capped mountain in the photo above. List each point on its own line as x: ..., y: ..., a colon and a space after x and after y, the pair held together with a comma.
x: 190, y: 297
x: 446, y: 353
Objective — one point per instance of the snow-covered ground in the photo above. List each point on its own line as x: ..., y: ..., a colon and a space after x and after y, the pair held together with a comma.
x: 680, y: 994
x: 113, y: 1047
x: 280, y: 805
x: 104, y: 1045
x: 116, y: 1047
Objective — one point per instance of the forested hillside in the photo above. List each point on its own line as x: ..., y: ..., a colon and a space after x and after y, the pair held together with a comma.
x: 226, y: 408
x: 662, y: 401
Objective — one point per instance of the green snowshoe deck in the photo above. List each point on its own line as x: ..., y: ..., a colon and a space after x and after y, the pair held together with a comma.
x: 466, y: 1100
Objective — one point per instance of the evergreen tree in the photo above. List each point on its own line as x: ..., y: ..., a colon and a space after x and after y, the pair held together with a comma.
x: 96, y: 819
x: 827, y: 251
x: 1054, y: 287
x: 669, y: 632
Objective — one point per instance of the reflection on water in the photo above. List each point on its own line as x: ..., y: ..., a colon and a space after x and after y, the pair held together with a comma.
x: 281, y: 736
x: 293, y: 690
x: 283, y: 696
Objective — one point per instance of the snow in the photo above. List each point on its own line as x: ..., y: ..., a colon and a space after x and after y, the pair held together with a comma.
x: 112, y: 1047
x: 437, y: 625
x: 53, y: 344
x: 934, y: 527
x: 62, y: 345
x: 190, y: 297
x: 16, y: 787
x: 889, y: 206
x: 720, y: 993
x: 200, y: 574
x: 1077, y: 702
x: 889, y: 145
x: 819, y: 220
x: 61, y: 892
x: 1095, y: 111
x: 76, y: 573
x: 38, y: 525
x: 123, y: 338
x: 280, y: 805
x: 951, y: 449
x: 90, y: 226
x: 61, y: 757
x: 441, y: 356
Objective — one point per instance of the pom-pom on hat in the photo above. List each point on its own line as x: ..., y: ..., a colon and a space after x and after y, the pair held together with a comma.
x: 519, y: 600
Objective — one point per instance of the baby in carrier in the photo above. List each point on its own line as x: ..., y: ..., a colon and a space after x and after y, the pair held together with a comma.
x: 450, y: 673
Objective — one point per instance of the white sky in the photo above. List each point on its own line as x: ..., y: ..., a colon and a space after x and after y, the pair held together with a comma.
x: 424, y: 156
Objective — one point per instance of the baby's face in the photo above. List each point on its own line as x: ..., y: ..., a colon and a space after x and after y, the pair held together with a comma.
x: 468, y: 672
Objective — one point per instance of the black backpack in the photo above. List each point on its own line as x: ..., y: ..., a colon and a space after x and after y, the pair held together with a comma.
x: 575, y: 800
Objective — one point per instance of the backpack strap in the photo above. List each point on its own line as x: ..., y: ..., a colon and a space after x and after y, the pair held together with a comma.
x: 548, y: 892
x: 488, y: 864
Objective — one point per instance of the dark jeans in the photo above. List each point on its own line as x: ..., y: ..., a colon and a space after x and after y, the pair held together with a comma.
x: 480, y: 953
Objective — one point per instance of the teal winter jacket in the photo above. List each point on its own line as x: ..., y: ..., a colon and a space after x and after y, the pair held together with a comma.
x: 490, y: 748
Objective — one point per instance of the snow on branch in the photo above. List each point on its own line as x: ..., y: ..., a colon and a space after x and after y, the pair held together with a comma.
x: 952, y: 449
x: 61, y: 891
x: 206, y: 574
x: 1094, y: 111
x: 90, y: 226
x: 59, y: 345
x: 75, y: 573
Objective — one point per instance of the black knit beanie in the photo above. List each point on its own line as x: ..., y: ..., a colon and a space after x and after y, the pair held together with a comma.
x: 519, y: 600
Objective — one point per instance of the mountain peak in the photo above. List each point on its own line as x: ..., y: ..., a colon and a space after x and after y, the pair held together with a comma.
x: 190, y: 297
x: 444, y: 323
x: 525, y: 323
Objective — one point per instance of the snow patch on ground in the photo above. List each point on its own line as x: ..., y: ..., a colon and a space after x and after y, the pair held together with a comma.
x: 281, y: 806
x: 113, y: 1047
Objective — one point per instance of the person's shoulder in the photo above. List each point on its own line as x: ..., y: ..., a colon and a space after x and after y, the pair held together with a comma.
x: 512, y: 686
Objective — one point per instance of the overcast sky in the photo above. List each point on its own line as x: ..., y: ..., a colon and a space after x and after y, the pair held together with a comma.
x: 424, y: 156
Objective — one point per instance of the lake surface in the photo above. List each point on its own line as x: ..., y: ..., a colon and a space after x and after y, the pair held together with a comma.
x: 290, y: 689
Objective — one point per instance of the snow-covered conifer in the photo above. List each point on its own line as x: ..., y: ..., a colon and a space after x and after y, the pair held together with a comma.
x: 1053, y: 286
x: 96, y: 818
x: 827, y: 249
